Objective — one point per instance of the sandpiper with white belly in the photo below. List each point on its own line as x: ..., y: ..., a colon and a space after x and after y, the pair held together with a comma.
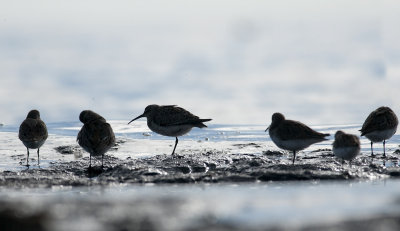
x: 346, y: 146
x: 32, y: 133
x: 380, y: 126
x: 96, y: 135
x: 170, y: 121
x: 292, y: 135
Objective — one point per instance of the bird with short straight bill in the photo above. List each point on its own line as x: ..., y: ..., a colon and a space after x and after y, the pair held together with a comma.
x: 292, y: 135
x: 171, y: 121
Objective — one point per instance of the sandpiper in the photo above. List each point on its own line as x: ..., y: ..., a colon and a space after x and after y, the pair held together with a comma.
x: 380, y: 126
x: 33, y: 132
x: 96, y: 135
x: 346, y: 146
x: 170, y: 121
x: 292, y: 135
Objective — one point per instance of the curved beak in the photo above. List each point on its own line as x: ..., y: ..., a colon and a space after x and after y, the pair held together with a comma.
x: 136, y: 118
x: 267, y: 128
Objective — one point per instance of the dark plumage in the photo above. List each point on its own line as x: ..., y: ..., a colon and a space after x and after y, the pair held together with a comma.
x: 292, y: 135
x: 33, y: 133
x: 379, y: 126
x: 170, y: 121
x: 346, y: 146
x: 96, y: 135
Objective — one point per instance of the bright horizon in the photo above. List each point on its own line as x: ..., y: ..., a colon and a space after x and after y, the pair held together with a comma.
x: 233, y: 61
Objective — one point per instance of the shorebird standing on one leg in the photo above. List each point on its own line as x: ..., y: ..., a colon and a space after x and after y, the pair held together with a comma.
x: 33, y: 133
x: 380, y: 126
x: 96, y: 135
x: 292, y: 135
x: 346, y: 146
x: 170, y: 121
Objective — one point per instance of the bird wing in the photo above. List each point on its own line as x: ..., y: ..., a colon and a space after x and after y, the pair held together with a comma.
x: 95, y: 136
x: 378, y: 120
x: 347, y: 140
x: 172, y: 115
x: 291, y: 130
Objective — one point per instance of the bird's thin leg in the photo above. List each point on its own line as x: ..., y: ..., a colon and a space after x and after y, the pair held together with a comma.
x: 176, y: 142
x: 27, y: 158
x: 38, y: 156
x: 384, y: 148
x: 102, y: 157
x: 90, y: 160
x: 372, y: 150
x: 294, y: 156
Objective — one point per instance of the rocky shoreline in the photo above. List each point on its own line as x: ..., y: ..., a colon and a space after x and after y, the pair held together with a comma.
x: 204, y: 167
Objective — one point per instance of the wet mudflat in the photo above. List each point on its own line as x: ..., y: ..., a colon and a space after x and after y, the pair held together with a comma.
x: 226, y: 178
x: 204, y: 167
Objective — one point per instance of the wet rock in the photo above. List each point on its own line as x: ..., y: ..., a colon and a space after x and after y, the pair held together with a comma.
x: 393, y: 172
x: 182, y: 169
x: 199, y: 168
x: 236, y: 178
x: 273, y: 153
x: 175, y: 180
x: 14, y: 219
x: 94, y: 171
x: 209, y: 166
x: 376, y: 223
x: 67, y: 150
x: 240, y: 146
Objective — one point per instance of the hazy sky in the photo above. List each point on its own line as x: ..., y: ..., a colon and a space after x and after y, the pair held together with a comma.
x: 322, y: 62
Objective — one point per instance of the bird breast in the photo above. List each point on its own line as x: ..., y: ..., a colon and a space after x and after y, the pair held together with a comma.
x: 172, y: 130
x: 33, y: 144
x: 347, y: 153
x: 379, y: 136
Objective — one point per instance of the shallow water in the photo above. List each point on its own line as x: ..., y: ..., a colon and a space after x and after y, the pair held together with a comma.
x: 261, y: 206
x: 226, y: 177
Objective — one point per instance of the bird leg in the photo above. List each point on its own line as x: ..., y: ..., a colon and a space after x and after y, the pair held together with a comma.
x: 384, y: 152
x: 38, y: 156
x: 176, y: 142
x: 294, y: 157
x: 90, y: 161
x: 372, y: 150
x: 27, y: 158
x: 102, y: 157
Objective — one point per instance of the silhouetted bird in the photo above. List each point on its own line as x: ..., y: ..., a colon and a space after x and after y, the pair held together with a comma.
x: 96, y: 135
x: 33, y: 133
x: 380, y: 126
x: 292, y: 135
x: 346, y: 146
x: 170, y: 121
